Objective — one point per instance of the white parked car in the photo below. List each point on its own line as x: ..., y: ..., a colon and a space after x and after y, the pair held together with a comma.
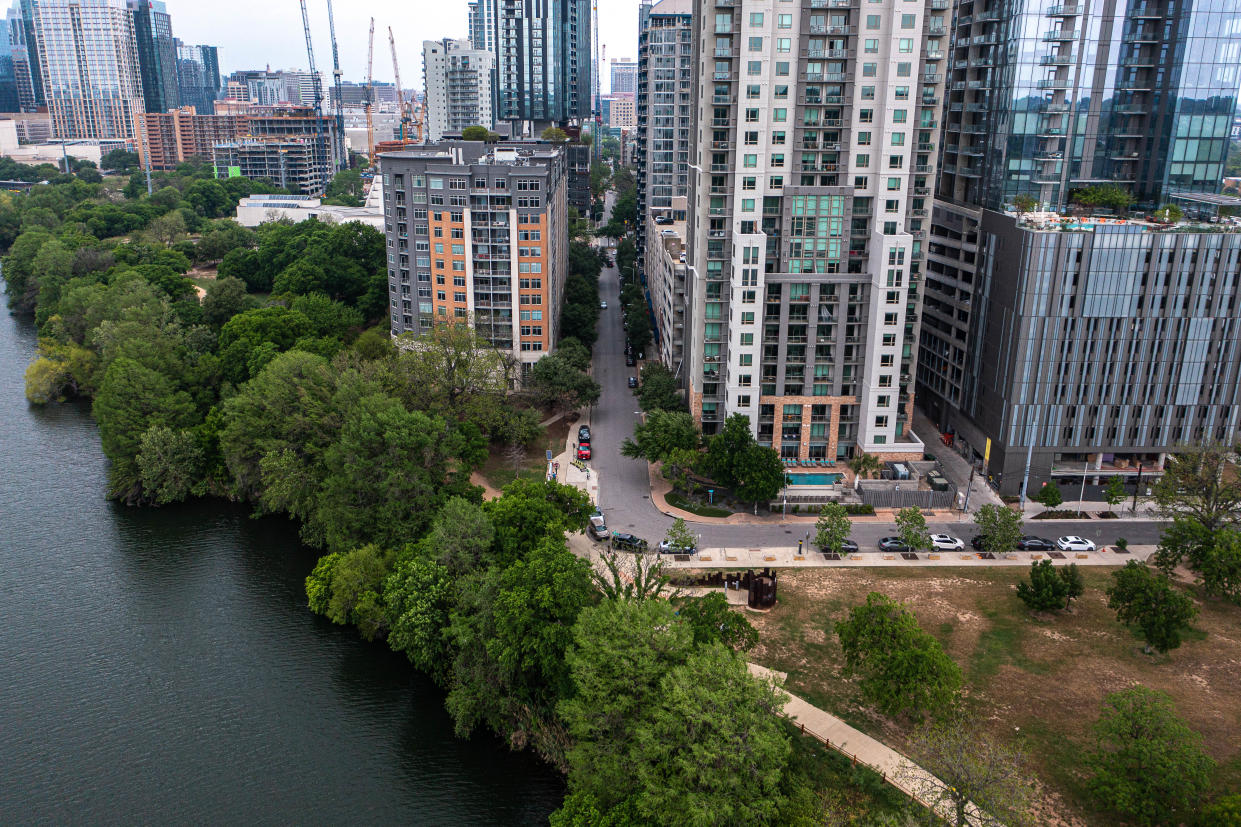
x: 1072, y: 543
x: 946, y: 542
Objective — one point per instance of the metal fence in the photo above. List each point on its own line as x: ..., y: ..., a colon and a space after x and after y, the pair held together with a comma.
x: 882, y: 495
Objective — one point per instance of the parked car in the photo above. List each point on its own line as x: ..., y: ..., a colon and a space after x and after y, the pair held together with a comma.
x: 629, y: 360
x: 583, y: 450
x: 946, y: 542
x: 847, y: 547
x: 603, y: 305
x: 667, y: 548
x: 977, y: 542
x: 893, y: 544
x: 627, y: 541
x: 633, y: 381
x: 1071, y: 542
x: 583, y: 433
x: 598, y: 528
x: 1032, y: 543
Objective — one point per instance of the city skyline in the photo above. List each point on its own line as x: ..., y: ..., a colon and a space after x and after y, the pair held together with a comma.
x: 274, y: 34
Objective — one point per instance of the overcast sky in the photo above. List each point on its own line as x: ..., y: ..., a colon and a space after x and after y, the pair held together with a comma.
x: 254, y: 33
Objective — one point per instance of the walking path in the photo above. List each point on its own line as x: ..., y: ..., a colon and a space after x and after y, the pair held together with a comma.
x: 793, y: 557
x: 893, y: 767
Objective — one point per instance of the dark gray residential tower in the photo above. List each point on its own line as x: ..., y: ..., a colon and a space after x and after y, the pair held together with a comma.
x: 1063, y: 347
x: 543, y: 60
x: 198, y: 77
x: 157, y: 54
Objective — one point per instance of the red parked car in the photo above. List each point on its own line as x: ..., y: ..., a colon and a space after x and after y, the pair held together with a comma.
x: 583, y: 450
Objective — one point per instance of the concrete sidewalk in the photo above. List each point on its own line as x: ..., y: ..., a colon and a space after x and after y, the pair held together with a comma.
x: 895, y: 768
x: 568, y: 473
x: 807, y: 557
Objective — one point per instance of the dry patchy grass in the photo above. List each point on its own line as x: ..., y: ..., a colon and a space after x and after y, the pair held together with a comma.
x: 1039, y: 678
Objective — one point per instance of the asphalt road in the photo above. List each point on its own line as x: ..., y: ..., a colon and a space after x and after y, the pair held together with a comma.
x: 624, y: 487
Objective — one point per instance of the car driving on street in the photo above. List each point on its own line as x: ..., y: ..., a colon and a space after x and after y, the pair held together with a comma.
x: 946, y: 542
x: 1071, y: 542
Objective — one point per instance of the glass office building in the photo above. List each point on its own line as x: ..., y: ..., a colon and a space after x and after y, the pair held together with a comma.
x: 1048, y: 96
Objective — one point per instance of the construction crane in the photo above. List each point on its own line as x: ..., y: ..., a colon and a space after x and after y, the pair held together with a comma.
x: 315, y: 83
x: 407, y: 120
x: 370, y: 95
x: 338, y: 103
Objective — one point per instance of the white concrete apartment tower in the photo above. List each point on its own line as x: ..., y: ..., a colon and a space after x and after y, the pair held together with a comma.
x: 812, y: 163
x: 459, y: 84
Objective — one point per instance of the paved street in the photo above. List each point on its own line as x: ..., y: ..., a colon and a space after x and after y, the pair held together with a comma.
x: 624, y: 491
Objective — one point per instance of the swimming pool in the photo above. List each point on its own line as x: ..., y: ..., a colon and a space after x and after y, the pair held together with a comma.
x: 814, y: 479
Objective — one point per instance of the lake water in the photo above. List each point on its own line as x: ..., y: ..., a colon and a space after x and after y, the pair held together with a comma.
x: 160, y: 665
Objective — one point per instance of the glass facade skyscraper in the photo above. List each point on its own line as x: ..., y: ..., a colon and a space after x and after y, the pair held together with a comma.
x: 90, y: 67
x: 157, y: 54
x: 543, y: 59
x: 1083, y: 348
x: 198, y: 77
x: 1048, y: 96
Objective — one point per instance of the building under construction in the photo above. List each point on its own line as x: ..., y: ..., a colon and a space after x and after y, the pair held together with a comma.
x: 290, y: 146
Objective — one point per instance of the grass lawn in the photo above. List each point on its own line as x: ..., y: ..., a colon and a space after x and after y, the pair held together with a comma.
x: 1041, y: 679
x: 677, y: 501
x: 498, y: 470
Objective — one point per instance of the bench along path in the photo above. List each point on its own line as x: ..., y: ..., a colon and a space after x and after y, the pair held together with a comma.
x: 895, y: 768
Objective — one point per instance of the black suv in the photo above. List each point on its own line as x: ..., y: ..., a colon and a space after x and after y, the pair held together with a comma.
x: 627, y: 541
x: 583, y: 433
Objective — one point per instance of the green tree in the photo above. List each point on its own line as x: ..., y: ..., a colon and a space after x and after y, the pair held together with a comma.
x: 170, y: 463
x: 723, y: 448
x: 1148, y: 601
x: 713, y: 621
x: 969, y: 765
x: 1000, y: 528
x: 658, y: 391
x: 662, y: 433
x: 758, y: 474
x: 710, y: 712
x: 1169, y: 214
x: 555, y: 135
x: 630, y: 577
x: 1114, y: 494
x: 225, y: 298
x: 475, y: 133
x: 131, y: 399
x: 1225, y: 812
x: 60, y: 372
x: 1049, y: 495
x: 531, y: 510
x: 617, y: 643
x: 1147, y: 764
x: 902, y: 668
x: 461, y: 537
x: 574, y: 352
x: 1201, y: 482
x: 345, y: 189
x: 454, y: 372
x: 1024, y: 203
x: 911, y: 528
x: 556, y: 383
x: 511, y: 635
x: 1046, y: 590
x: 1220, y: 567
x: 679, y: 536
x: 347, y: 588
x: 832, y: 528
x: 419, y: 595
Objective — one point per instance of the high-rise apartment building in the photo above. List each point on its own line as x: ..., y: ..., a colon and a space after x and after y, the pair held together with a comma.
x: 624, y: 77
x: 620, y: 112
x: 478, y: 234
x: 458, y: 85
x: 157, y: 54
x: 483, y: 24
x: 90, y: 66
x: 198, y: 77
x: 814, y: 158
x: 543, y: 60
x: 1056, y: 347
x: 27, y: 66
x: 664, y: 108
x: 273, y: 88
